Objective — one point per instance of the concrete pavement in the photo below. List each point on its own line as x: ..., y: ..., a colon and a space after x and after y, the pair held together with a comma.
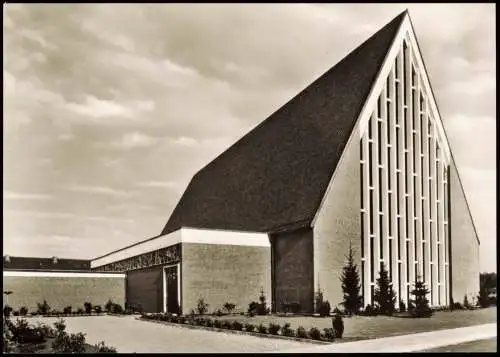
x: 407, y: 343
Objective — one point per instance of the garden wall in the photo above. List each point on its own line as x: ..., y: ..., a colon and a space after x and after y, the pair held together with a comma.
x: 61, y: 289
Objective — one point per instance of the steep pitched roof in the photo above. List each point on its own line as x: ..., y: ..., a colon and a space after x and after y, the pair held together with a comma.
x: 276, y: 176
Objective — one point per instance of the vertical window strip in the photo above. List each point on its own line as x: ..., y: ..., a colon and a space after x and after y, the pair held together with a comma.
x: 389, y: 211
x: 390, y: 260
x: 362, y: 169
x: 389, y: 161
x: 371, y: 213
x: 399, y: 238
x: 380, y: 196
x: 379, y: 135
x: 370, y: 164
x: 362, y: 234
x: 372, y: 261
x: 380, y: 237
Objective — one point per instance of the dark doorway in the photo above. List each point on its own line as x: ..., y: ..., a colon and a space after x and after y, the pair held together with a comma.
x: 172, y: 290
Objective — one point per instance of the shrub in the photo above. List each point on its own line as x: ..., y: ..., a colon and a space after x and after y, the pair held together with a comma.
x: 238, y: 326
x: 80, y: 311
x: 370, y: 310
x: 218, y: 312
x: 262, y: 306
x: 325, y: 308
x: 229, y: 307
x: 23, y: 333
x: 43, y: 308
x: 73, y: 343
x: 117, y: 309
x: 228, y: 325
x: 261, y: 328
x: 88, y: 307
x: 422, y: 308
x: 301, y: 332
x: 218, y: 324
x: 97, y: 309
x: 274, y: 328
x: 7, y: 310
x: 209, y: 323
x: 338, y: 326
x: 181, y: 319
x: 384, y: 296
x: 314, y: 333
x: 402, y: 306
x: 466, y: 304
x: 109, y: 306
x: 252, y: 308
x: 249, y: 327
x: 329, y: 334
x: 23, y: 311
x: 102, y: 348
x: 15, y: 313
x: 337, y: 311
x: 67, y: 310
x: 286, y: 330
x: 201, y: 307
x: 456, y: 306
x: 352, y: 300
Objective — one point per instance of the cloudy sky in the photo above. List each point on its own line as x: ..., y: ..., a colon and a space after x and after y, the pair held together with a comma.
x: 110, y: 109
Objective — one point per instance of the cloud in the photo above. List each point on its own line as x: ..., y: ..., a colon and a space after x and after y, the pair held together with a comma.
x: 9, y: 195
x: 184, y: 141
x: 135, y: 140
x: 160, y: 184
x: 98, y: 190
x: 98, y: 108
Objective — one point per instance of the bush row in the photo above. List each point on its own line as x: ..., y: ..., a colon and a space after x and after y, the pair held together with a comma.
x: 21, y: 337
x: 328, y: 334
x: 45, y: 310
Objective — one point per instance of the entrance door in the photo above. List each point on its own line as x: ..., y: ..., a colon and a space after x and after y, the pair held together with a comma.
x: 172, y: 301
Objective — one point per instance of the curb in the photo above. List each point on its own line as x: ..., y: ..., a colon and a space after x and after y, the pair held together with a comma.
x: 236, y: 332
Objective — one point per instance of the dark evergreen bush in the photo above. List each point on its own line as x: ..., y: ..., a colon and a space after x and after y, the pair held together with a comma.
x: 7, y: 310
x: 261, y: 328
x: 385, y: 296
x: 351, y: 286
x: 338, y: 326
x: 249, y: 327
x: 420, y: 301
x: 238, y: 326
x: 88, y: 307
x: 286, y: 330
x: 301, y: 332
x: 23, y: 311
x: 315, y: 334
x: 402, y: 306
x: 43, y: 308
x: 229, y: 307
x: 201, y: 307
x: 329, y: 334
x: 67, y: 310
x: 274, y: 328
x: 97, y: 309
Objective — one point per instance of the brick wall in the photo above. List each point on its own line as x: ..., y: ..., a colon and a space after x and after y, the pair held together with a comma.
x: 464, y: 245
x: 338, y: 223
x: 145, y: 289
x: 63, y: 291
x: 224, y: 273
x: 293, y: 269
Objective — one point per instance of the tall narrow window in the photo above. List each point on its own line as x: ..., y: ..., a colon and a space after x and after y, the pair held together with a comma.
x: 407, y: 126
x: 396, y: 97
x: 370, y: 164
x: 414, y: 117
x: 389, y: 122
x: 399, y: 188
x: 400, y: 280
x: 380, y: 189
x: 414, y: 151
x: 389, y: 172
x: 424, y: 261
x: 414, y: 195
x: 399, y: 238
x: 405, y: 66
x: 397, y: 147
x: 422, y: 134
x: 372, y: 261
x: 407, y: 245
x: 439, y: 262
x: 422, y: 176
x: 431, y: 280
x: 390, y: 260
x: 362, y: 169
x: 371, y: 212
x: 407, y: 215
x: 389, y: 201
x: 407, y: 172
x: 388, y: 85
x: 381, y: 236
x: 362, y: 234
x: 379, y: 107
x: 379, y: 134
x: 431, y: 243
x: 363, y: 278
x: 397, y: 67
x: 370, y: 136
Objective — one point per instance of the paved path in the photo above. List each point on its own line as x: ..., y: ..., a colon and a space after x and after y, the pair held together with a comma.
x: 128, y: 335
x: 407, y: 343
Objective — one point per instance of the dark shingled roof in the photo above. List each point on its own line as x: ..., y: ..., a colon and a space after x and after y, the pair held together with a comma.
x: 276, y: 176
x: 45, y: 264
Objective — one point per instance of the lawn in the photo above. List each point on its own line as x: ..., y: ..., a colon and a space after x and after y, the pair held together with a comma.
x: 473, y: 346
x: 365, y: 327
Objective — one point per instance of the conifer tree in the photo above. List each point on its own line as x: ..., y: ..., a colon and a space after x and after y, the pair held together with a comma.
x: 351, y: 285
x: 384, y: 296
x: 421, y: 303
